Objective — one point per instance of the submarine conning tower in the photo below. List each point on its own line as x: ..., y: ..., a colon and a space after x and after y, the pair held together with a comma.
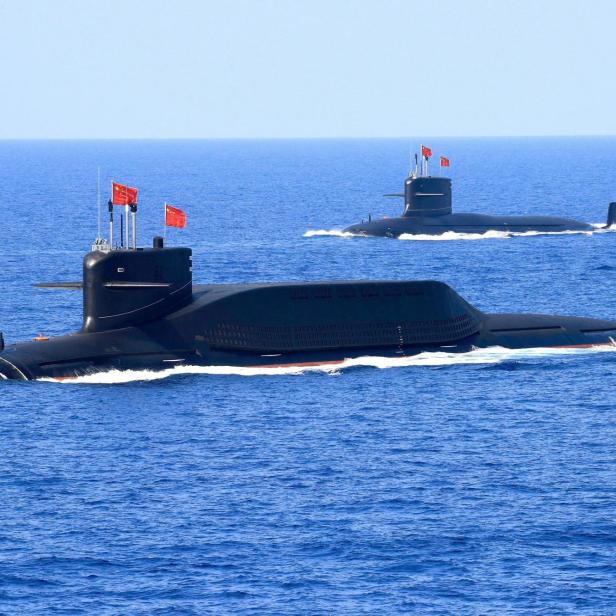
x: 128, y: 287
x: 427, y: 196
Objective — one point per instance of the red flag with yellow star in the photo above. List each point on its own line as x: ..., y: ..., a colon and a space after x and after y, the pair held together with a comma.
x: 123, y: 195
x: 174, y: 216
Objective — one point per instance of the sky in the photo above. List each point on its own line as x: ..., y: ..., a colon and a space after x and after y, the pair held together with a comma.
x: 306, y: 68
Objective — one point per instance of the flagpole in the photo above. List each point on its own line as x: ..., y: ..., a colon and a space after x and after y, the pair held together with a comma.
x: 126, y: 218
x: 111, y: 218
x: 165, y: 221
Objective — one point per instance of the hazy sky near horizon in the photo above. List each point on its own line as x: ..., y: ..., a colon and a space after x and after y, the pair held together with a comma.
x: 306, y: 68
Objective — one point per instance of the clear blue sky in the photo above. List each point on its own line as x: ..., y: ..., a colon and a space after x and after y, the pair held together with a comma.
x: 306, y: 68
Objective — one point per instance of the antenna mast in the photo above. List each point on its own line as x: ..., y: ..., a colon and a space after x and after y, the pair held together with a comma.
x: 98, y: 200
x: 133, y: 209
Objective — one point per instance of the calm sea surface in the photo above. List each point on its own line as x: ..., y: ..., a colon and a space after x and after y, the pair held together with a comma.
x: 458, y: 488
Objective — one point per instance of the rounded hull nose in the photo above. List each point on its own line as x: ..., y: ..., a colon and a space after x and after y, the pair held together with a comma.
x: 355, y: 230
x: 373, y: 229
x: 13, y: 372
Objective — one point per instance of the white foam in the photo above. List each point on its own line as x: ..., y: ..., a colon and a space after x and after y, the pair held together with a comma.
x: 599, y: 227
x: 490, y: 235
x: 452, y: 235
x: 490, y: 355
x: 329, y: 232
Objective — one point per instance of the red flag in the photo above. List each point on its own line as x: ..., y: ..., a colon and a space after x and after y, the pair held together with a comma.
x: 123, y: 195
x: 444, y: 162
x: 425, y: 151
x: 174, y: 217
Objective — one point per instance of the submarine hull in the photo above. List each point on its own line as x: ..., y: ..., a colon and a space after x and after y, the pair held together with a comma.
x: 298, y: 324
x: 465, y: 223
x: 428, y: 211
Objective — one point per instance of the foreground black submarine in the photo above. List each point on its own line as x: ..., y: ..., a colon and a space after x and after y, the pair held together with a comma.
x: 428, y: 211
x: 142, y: 311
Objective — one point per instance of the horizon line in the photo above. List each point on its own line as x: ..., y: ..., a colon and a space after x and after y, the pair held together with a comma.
x: 317, y: 138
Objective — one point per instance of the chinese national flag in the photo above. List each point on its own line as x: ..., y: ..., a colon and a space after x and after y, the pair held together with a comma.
x: 174, y: 217
x: 444, y: 162
x: 123, y: 195
x: 425, y: 151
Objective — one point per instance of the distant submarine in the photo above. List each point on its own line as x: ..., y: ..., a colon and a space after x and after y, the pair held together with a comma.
x: 428, y: 211
x: 142, y: 311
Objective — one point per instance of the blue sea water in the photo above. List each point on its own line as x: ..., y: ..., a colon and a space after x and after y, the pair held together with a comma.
x: 486, y: 487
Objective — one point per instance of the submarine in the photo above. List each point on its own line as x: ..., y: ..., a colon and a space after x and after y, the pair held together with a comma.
x: 428, y: 211
x: 141, y: 310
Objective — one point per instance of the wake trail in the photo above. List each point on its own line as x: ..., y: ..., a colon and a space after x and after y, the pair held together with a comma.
x: 490, y: 355
x: 453, y: 235
x: 329, y: 232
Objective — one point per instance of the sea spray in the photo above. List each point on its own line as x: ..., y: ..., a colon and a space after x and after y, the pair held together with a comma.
x: 453, y: 235
x: 490, y: 355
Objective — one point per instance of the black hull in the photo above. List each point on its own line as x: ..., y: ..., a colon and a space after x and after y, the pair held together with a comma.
x: 466, y: 223
x: 428, y: 211
x: 17, y: 369
x: 279, y: 325
x: 141, y: 311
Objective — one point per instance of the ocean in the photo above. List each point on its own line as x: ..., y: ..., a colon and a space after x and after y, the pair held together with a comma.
x: 478, y: 484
